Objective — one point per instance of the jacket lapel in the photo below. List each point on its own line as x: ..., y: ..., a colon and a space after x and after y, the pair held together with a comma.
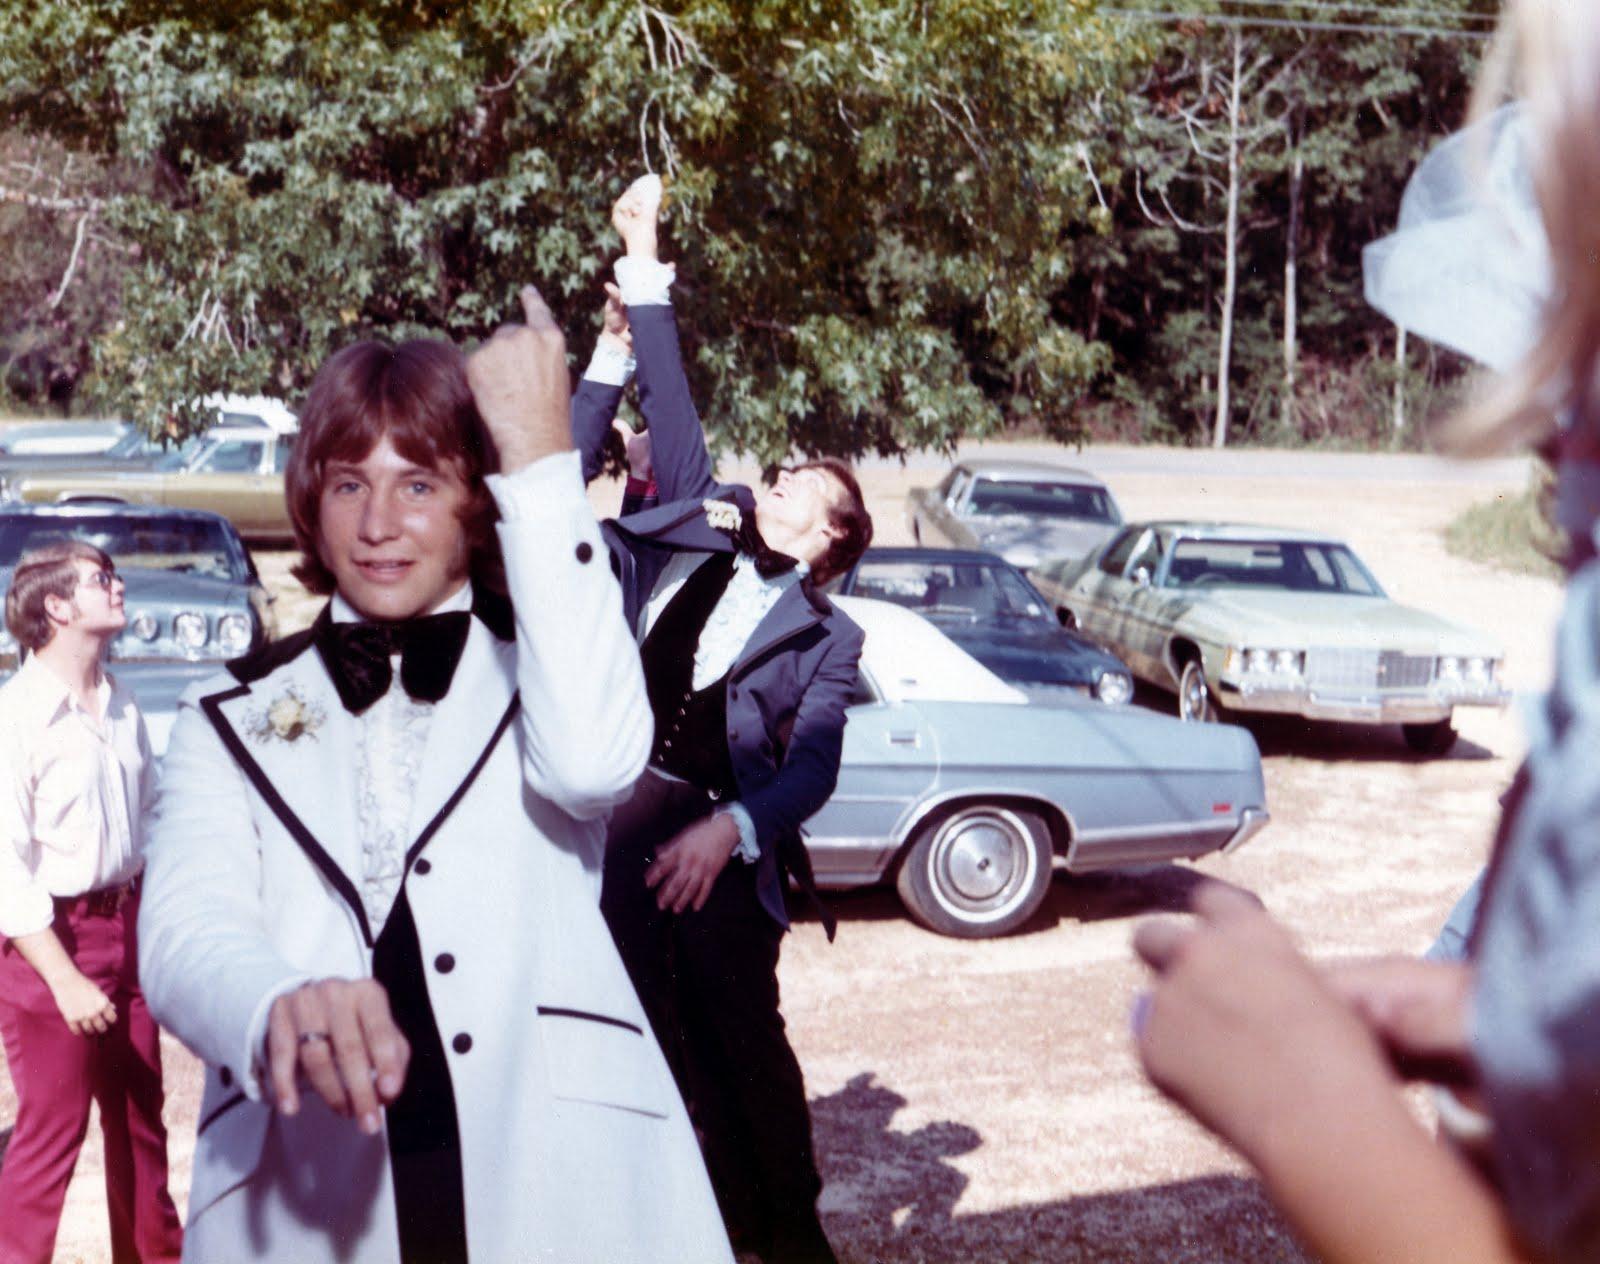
x: 683, y: 525
x: 790, y: 615
x: 468, y: 722
x: 303, y: 765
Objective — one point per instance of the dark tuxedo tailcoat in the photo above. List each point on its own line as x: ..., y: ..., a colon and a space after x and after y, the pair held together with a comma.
x: 788, y: 689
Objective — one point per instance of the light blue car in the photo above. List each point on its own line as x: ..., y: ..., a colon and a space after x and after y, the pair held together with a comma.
x: 967, y: 795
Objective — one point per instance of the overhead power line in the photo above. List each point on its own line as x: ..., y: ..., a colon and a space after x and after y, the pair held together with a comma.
x: 1333, y: 6
x: 1353, y: 28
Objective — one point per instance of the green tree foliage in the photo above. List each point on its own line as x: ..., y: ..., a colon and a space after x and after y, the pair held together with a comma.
x: 1358, y: 111
x: 896, y: 222
x: 870, y: 201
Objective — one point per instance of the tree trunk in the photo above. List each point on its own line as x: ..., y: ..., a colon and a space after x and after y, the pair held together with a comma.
x: 1399, y: 385
x: 1230, y: 285
x: 1291, y: 302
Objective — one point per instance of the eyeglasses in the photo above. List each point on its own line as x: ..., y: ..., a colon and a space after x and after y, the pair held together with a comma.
x: 105, y: 581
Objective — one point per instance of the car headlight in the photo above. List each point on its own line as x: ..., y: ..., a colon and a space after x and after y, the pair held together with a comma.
x: 1450, y: 667
x: 189, y: 630
x: 233, y: 633
x: 1023, y: 559
x: 1114, y: 688
x: 144, y: 626
x: 1257, y: 662
x: 1479, y: 671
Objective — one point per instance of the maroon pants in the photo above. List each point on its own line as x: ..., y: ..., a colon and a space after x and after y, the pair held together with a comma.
x: 56, y: 1074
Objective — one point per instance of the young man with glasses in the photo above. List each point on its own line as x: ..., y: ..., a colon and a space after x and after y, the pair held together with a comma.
x: 75, y: 774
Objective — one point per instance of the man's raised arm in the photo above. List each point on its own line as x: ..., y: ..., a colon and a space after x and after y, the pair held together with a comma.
x: 678, y: 443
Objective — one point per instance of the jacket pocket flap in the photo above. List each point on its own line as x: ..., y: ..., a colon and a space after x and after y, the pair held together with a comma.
x: 227, y: 1147
x: 611, y: 1061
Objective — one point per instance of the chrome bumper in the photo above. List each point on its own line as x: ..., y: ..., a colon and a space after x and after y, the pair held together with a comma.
x: 1359, y: 708
x: 1251, y: 822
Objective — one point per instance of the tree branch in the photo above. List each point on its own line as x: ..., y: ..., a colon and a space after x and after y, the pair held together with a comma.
x: 72, y: 263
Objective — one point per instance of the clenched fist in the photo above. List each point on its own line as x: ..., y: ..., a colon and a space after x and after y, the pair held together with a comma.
x: 519, y: 381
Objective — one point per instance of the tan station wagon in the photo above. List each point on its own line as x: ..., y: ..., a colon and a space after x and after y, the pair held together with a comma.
x: 1246, y: 618
x: 234, y: 471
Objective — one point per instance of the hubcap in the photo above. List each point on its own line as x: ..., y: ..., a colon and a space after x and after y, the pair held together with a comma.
x: 981, y: 863
x: 1194, y: 694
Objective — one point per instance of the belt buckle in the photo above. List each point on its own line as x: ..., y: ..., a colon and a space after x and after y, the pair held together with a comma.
x: 109, y: 901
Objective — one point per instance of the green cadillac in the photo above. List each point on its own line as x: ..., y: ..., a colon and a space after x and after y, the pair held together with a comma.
x: 1245, y: 618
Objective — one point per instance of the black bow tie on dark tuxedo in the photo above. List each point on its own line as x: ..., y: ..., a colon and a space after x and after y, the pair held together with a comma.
x: 769, y: 562
x: 358, y: 657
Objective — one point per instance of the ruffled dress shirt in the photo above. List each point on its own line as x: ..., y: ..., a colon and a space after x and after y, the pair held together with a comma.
x: 393, y: 736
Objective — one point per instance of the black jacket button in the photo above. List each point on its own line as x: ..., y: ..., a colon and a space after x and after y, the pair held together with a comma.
x: 584, y: 550
x: 462, y: 1043
x: 444, y: 963
x: 423, y: 865
x: 226, y: 1076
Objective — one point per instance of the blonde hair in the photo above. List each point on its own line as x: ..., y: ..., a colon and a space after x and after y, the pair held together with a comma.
x: 1547, y: 54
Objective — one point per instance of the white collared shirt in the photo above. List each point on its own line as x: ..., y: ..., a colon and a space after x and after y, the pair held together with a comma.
x: 72, y: 789
x: 394, y: 735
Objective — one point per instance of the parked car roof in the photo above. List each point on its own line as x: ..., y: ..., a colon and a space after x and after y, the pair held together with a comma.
x: 247, y: 409
x: 55, y: 438
x: 98, y: 509
x: 1013, y: 467
x: 909, y: 659
x: 1241, y: 531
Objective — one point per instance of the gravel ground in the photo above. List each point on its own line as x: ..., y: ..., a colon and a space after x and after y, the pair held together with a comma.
x: 980, y: 1101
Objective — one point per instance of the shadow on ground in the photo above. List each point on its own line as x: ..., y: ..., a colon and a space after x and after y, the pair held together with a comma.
x: 1084, y: 897
x: 892, y: 1194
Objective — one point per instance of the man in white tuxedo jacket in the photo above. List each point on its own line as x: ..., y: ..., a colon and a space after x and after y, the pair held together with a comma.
x: 371, y: 902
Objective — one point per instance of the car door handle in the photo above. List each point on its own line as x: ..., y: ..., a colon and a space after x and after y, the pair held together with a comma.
x: 904, y: 738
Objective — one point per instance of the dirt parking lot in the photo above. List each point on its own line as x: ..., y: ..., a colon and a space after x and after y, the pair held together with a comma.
x: 980, y: 1101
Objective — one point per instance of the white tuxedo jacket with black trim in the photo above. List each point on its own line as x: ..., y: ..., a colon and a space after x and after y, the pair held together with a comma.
x: 575, y: 1145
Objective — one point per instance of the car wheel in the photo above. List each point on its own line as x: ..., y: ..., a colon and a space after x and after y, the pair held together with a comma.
x: 1195, y: 700
x: 1438, y: 738
x: 979, y: 872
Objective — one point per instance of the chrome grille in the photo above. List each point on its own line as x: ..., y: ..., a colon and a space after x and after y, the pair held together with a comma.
x: 1405, y: 671
x: 1342, y: 669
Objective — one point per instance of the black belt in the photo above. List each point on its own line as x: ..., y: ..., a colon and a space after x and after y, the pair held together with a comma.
x: 102, y: 902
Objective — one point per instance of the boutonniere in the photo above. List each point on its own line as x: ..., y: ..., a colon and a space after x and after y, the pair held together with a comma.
x: 288, y: 717
x: 723, y: 515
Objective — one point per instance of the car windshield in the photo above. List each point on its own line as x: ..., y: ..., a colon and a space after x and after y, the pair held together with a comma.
x: 977, y: 590
x: 138, y: 444
x: 1281, y: 565
x: 1041, y: 499
x: 194, y: 546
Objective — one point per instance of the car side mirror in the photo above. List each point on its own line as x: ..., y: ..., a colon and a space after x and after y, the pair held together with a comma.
x: 1141, y: 577
x: 1064, y: 618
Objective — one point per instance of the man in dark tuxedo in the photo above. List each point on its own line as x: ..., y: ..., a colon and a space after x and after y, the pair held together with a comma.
x: 748, y: 668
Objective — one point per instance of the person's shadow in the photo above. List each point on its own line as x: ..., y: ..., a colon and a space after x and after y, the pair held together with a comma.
x: 891, y: 1195
x: 900, y: 1180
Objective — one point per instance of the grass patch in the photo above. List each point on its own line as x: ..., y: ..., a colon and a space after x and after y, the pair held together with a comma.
x: 1511, y: 533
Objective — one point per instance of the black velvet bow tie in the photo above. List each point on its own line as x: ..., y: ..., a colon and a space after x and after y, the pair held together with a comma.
x: 358, y: 657
x: 769, y: 562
